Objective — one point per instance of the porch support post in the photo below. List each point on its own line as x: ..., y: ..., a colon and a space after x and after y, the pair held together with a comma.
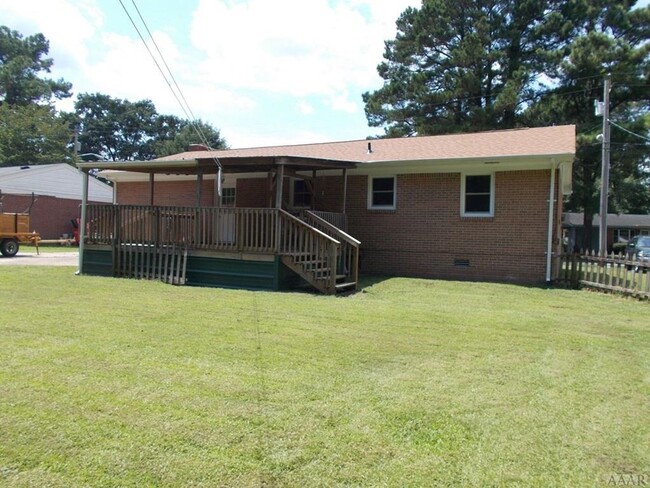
x: 279, y: 177
x: 345, y: 187
x: 278, y: 186
x: 314, y: 193
x: 197, y: 228
x: 551, y: 221
x: 82, y: 224
x: 151, y: 181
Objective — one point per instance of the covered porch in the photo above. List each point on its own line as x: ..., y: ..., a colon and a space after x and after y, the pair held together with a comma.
x: 274, y: 248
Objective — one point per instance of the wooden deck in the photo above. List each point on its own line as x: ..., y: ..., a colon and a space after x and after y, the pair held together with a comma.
x: 154, y: 242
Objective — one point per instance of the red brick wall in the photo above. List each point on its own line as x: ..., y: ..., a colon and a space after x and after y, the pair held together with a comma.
x: 426, y: 232
x: 173, y: 193
x: 329, y: 193
x: 252, y: 193
x: 50, y: 216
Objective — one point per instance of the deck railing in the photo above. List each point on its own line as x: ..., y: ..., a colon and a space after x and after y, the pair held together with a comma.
x: 324, y: 255
x: 339, y: 220
x: 204, y: 228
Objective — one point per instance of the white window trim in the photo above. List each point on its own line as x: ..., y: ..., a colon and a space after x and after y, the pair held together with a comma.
x: 463, y: 178
x: 370, y: 186
x: 234, y: 203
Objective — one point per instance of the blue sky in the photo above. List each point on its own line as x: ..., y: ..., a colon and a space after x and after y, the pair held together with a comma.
x: 264, y: 72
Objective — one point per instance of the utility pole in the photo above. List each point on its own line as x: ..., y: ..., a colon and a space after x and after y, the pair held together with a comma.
x: 76, y: 146
x: 604, y: 174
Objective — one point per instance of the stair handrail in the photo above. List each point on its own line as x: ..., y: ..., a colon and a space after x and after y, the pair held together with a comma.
x: 332, y: 228
x: 350, y: 257
x: 328, y: 250
x: 296, y: 220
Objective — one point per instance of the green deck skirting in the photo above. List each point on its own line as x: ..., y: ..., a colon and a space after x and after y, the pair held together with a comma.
x: 98, y: 263
x: 233, y: 273
x: 213, y: 271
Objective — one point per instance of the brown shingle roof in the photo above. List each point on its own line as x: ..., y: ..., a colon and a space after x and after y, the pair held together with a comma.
x: 540, y: 141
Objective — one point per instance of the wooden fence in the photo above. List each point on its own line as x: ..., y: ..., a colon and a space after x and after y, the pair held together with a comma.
x: 614, y: 272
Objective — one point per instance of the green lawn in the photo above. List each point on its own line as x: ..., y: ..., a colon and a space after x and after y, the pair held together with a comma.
x: 107, y: 382
x: 47, y: 248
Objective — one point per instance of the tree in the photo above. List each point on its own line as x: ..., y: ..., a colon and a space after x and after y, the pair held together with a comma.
x: 608, y: 38
x: 32, y: 134
x: 123, y: 130
x: 22, y: 63
x: 461, y: 66
x: 115, y: 128
x: 175, y: 135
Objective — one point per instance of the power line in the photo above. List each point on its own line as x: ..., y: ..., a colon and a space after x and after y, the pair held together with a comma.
x: 629, y: 131
x: 196, y: 127
x: 183, y: 107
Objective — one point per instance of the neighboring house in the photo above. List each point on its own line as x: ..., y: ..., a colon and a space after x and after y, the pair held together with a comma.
x: 620, y: 229
x: 51, y: 193
x: 483, y: 206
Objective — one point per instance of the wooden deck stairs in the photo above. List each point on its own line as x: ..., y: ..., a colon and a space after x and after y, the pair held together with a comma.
x: 321, y: 253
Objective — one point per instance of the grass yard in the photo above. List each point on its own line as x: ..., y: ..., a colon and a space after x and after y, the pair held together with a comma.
x: 46, y: 249
x: 107, y: 382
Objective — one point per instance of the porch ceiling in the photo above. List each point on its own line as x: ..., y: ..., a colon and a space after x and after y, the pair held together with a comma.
x: 253, y: 164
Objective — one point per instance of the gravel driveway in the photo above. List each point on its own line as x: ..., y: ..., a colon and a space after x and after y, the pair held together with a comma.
x: 44, y: 259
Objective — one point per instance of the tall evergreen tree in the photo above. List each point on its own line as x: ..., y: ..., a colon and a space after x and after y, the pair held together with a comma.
x: 606, y: 38
x: 31, y: 131
x: 32, y: 134
x: 464, y: 66
x: 23, y: 62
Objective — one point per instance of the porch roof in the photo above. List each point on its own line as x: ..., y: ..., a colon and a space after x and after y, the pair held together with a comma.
x: 210, y: 164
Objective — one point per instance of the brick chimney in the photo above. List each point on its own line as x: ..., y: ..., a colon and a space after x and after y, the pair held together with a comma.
x: 197, y: 147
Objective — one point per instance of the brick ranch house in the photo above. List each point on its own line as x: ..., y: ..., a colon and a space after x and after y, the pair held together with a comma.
x: 51, y: 193
x: 482, y: 206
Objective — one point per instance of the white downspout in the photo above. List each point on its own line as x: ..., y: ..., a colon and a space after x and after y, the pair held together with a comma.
x: 82, y: 224
x: 551, y: 211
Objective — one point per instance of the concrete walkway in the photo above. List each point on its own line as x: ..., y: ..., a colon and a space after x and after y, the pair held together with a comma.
x: 44, y: 259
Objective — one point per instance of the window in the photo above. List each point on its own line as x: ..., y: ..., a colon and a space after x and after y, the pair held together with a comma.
x: 477, y: 195
x: 622, y: 235
x: 381, y: 193
x: 301, y: 194
x: 227, y: 197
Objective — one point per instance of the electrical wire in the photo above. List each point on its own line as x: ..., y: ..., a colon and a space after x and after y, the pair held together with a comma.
x: 180, y: 92
x: 186, y: 110
x: 628, y: 131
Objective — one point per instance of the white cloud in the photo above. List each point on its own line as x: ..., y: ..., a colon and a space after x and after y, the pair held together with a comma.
x: 67, y: 24
x: 305, y: 108
x: 242, y: 64
x: 295, y: 47
x: 239, y: 137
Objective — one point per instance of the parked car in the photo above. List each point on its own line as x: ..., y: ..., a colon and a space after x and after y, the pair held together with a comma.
x: 639, y: 248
